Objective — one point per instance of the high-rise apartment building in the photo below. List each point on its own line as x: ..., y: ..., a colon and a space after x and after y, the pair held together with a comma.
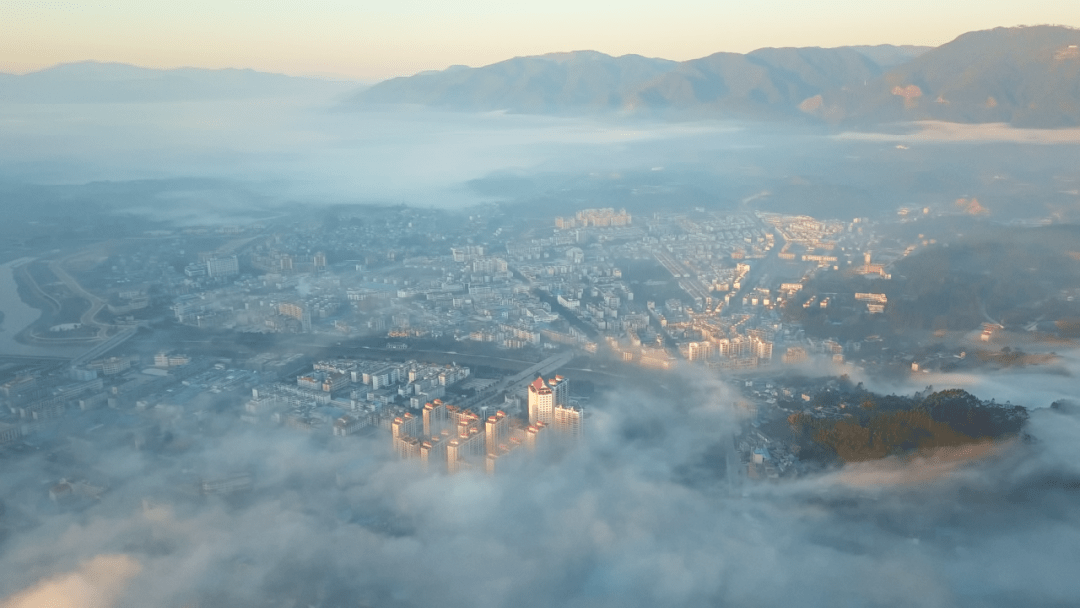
x: 541, y: 402
x: 455, y: 457
x: 459, y: 418
x: 568, y: 421
x: 534, y: 435
x: 474, y: 442
x: 544, y: 396
x: 298, y: 311
x: 763, y: 350
x: 465, y: 450
x: 407, y: 448
x: 222, y: 267
x: 561, y: 388
x: 498, y: 431
x: 433, y: 452
x: 436, y: 417
x: 457, y: 438
x: 405, y: 430
x: 406, y: 425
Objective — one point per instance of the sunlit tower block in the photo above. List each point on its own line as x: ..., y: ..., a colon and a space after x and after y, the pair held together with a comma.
x: 433, y: 453
x: 763, y: 350
x: 405, y: 430
x: 473, y: 440
x: 544, y: 396
x: 541, y: 402
x: 568, y: 421
x: 489, y: 463
x: 298, y: 311
x: 457, y: 417
x: 465, y: 451
x: 534, y: 435
x: 406, y: 425
x: 498, y: 431
x: 492, y: 460
x: 407, y: 448
x: 436, y: 417
x: 455, y: 456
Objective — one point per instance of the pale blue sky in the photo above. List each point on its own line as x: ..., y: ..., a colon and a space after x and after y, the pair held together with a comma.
x: 371, y: 40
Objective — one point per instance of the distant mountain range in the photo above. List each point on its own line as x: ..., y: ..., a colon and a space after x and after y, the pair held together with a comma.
x: 1027, y: 76
x: 94, y: 82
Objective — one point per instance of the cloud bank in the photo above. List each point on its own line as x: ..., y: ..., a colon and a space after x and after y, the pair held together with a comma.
x: 640, y: 515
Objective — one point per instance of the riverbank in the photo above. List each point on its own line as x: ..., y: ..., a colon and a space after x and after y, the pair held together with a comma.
x: 19, y: 316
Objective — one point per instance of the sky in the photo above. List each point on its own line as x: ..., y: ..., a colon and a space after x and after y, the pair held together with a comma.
x: 371, y: 40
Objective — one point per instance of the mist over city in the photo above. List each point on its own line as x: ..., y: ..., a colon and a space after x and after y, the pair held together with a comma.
x: 589, y: 321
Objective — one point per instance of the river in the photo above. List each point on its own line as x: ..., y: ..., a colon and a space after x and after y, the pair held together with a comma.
x: 18, y: 315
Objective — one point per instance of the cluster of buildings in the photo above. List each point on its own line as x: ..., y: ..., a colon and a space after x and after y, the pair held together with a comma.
x: 705, y: 288
x: 601, y: 218
x: 451, y: 438
x: 41, y: 396
x: 406, y: 273
x: 212, y: 266
x: 814, y: 238
x: 727, y: 276
x: 345, y: 396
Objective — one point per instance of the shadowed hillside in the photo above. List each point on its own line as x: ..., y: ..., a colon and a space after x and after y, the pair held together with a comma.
x: 1026, y: 76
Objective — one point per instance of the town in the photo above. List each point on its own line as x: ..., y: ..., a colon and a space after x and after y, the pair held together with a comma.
x: 462, y: 339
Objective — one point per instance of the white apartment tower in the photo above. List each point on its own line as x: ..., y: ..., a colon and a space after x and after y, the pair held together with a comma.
x: 432, y: 450
x: 222, y: 267
x: 568, y: 421
x: 406, y: 425
x: 405, y: 430
x: 436, y: 418
x: 544, y: 396
x: 541, y: 402
x: 561, y: 388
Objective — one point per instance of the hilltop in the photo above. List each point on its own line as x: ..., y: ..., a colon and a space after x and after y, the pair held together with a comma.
x: 1026, y: 76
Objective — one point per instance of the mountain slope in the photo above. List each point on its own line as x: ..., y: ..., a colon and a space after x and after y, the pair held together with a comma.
x: 1027, y: 76
x: 889, y: 56
x: 543, y: 84
x: 766, y: 82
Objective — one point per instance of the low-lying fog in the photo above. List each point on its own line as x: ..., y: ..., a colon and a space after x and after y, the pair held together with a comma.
x: 1036, y: 386
x: 641, y: 515
x: 318, y: 150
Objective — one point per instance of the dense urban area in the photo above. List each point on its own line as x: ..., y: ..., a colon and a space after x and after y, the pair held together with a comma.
x: 473, y: 341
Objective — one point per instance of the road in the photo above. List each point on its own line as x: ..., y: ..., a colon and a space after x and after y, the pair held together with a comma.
x: 104, y: 347
x: 96, y: 303
x: 490, y: 395
x: 520, y: 380
x: 409, y: 353
x: 687, y: 282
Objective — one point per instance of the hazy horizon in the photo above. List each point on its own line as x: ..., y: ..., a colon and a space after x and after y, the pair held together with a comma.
x: 371, y: 42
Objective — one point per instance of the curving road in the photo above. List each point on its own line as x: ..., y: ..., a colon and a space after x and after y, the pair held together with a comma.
x: 96, y: 303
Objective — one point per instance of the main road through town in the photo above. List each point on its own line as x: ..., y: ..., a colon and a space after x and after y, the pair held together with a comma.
x: 520, y: 380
